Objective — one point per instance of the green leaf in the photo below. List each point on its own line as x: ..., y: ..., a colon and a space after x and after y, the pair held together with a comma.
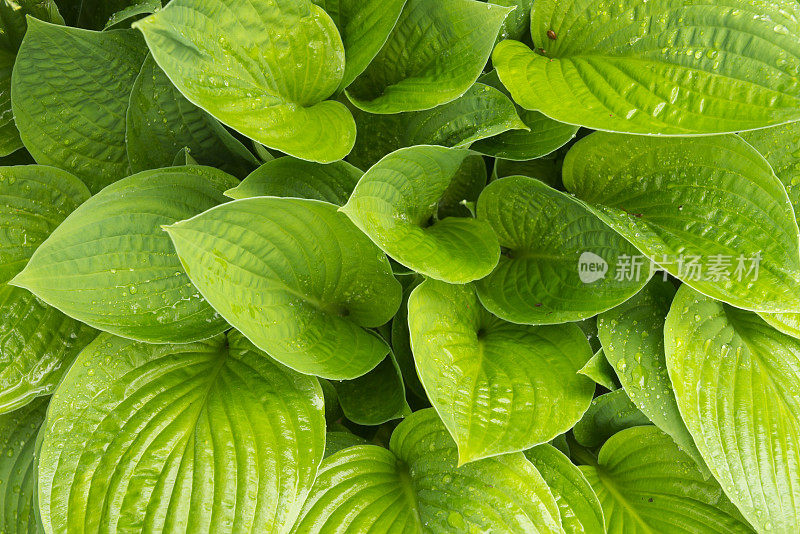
x: 600, y: 371
x: 735, y: 380
x: 400, y: 490
x: 436, y: 51
x: 204, y: 437
x: 499, y: 387
x: 709, y: 211
x: 37, y: 346
x: 291, y: 177
x: 9, y: 135
x: 296, y: 277
x: 161, y: 121
x: 70, y: 91
x: 479, y: 113
x: 608, y: 414
x: 13, y: 19
x: 517, y: 22
x: 579, y: 507
x: 669, y: 67
x: 111, y: 266
x: 221, y: 55
x: 547, y: 170
x: 125, y: 16
x: 555, y: 264
x: 365, y: 26
x: 460, y: 196
x: 395, y: 204
x: 34, y: 199
x: 183, y: 157
x: 633, y: 341
x: 401, y: 344
x: 18, y: 431
x: 376, y: 397
x: 646, y: 484
x: 542, y: 136
x: 338, y: 440
x: 95, y: 14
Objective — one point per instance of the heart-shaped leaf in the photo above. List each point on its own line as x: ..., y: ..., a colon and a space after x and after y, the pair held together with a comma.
x: 291, y: 177
x: 70, y: 91
x: 203, y: 437
x: 296, y: 277
x: 555, y: 264
x: 436, y: 51
x: 580, y: 509
x: 481, y: 112
x: 735, y: 380
x: 263, y: 67
x: 633, y: 341
x: 667, y: 67
x: 160, y: 121
x: 111, y: 266
x: 399, y: 490
x: 365, y: 26
x: 608, y: 414
x: 18, y: 432
x: 498, y: 387
x: 396, y: 202
x: 710, y: 211
x: 646, y: 484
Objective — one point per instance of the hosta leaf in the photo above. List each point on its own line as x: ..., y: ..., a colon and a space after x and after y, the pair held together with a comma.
x: 395, y: 203
x: 13, y: 19
x: 204, y: 437
x: 608, y: 414
x: 633, y: 341
x: 555, y: 264
x: 579, y: 507
x: 464, y: 188
x: 34, y: 199
x: 735, y: 380
x: 499, y: 387
x: 37, y: 345
x: 296, y: 277
x: 646, y: 484
x: 125, y: 16
x: 667, y: 67
x: 70, y: 92
x: 263, y: 67
x: 161, y: 121
x: 368, y: 488
x: 480, y: 112
x: 401, y: 345
x: 376, y: 397
x: 365, y: 26
x: 436, y: 51
x: 547, y: 170
x: 291, y: 177
x: 709, y: 211
x: 600, y: 371
x: 517, y: 22
x: 339, y: 440
x: 18, y: 431
x: 542, y: 135
x: 183, y: 157
x: 111, y: 266
x: 9, y: 135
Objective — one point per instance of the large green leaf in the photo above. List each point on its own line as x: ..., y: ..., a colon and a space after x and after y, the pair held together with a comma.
x: 34, y: 200
x: 365, y: 26
x: 735, y: 380
x: 70, y: 91
x: 647, y: 485
x: 18, y: 432
x: 436, y: 51
x: 296, y: 277
x: 479, y: 113
x: 580, y: 509
x: 291, y: 177
x: 396, y: 202
x: 710, y: 211
x: 608, y: 414
x: 263, y: 67
x: 498, y: 387
x: 37, y: 345
x: 376, y: 397
x: 633, y: 341
x: 111, y: 266
x: 667, y: 67
x: 160, y: 121
x: 556, y: 259
x: 204, y: 437
x: 542, y: 136
x: 415, y: 487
